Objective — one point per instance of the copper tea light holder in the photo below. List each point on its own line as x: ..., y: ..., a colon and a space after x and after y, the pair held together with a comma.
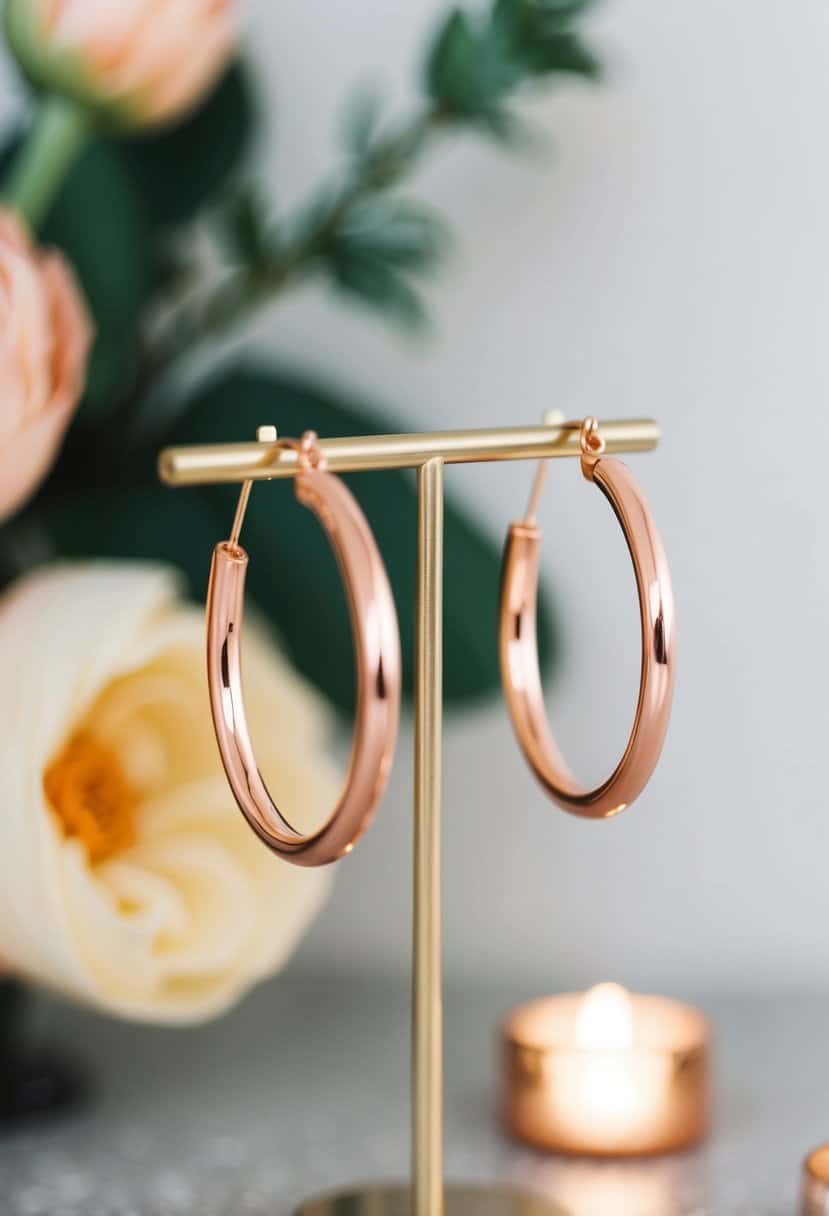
x: 644, y: 1094
x: 428, y: 454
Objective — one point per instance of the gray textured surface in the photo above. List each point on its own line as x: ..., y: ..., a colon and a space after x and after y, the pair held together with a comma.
x: 305, y: 1088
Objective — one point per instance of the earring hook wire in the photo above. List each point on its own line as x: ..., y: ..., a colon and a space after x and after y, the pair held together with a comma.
x: 308, y: 457
x: 591, y: 443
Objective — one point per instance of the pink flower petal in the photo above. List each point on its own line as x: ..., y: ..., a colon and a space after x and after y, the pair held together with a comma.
x: 45, y: 336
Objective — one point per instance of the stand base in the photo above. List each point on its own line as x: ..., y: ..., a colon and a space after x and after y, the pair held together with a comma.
x: 459, y: 1201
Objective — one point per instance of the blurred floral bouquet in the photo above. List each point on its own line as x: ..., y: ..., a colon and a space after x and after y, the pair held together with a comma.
x: 133, y: 235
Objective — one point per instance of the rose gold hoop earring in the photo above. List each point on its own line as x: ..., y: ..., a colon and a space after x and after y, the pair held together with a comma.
x: 377, y: 652
x: 519, y: 652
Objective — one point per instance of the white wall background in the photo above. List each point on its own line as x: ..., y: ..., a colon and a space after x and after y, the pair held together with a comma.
x: 669, y: 258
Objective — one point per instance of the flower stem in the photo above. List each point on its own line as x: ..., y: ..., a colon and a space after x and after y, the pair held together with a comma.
x: 245, y: 289
x: 59, y: 132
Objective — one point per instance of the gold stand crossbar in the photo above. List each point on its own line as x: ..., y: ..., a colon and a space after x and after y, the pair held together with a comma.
x: 428, y: 453
x: 225, y: 462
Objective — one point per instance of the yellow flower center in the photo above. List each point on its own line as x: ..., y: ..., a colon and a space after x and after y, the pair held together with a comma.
x: 91, y: 797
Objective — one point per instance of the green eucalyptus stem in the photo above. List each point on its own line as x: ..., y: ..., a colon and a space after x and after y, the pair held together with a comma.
x: 58, y: 134
x: 245, y: 289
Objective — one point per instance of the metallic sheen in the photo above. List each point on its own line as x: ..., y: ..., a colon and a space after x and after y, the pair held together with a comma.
x: 244, y: 462
x: 427, y: 1024
x: 519, y: 651
x: 206, y: 464
x: 377, y: 642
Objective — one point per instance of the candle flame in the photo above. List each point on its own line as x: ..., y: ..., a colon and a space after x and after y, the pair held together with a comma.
x: 604, y: 1020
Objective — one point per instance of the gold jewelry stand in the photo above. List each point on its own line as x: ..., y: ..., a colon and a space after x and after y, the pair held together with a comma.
x: 428, y: 453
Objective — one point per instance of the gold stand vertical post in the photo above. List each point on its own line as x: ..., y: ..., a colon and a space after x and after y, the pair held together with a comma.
x: 427, y: 1023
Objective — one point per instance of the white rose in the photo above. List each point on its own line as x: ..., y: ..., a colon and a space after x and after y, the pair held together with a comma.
x: 130, y: 880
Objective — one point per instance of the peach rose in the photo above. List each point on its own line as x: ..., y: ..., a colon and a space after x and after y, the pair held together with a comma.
x: 45, y: 335
x: 141, y: 62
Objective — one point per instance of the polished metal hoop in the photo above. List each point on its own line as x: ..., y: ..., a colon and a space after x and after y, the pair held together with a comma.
x: 377, y: 649
x: 519, y: 651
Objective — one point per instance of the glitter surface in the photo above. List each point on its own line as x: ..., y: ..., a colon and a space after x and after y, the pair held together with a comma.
x: 305, y: 1089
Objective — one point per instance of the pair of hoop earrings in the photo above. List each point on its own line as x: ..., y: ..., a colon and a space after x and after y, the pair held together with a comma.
x: 377, y: 647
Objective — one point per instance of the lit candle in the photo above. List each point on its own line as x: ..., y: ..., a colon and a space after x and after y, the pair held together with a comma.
x: 606, y: 1073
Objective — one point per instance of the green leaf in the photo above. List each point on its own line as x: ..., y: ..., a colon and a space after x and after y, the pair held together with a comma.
x: 466, y: 70
x: 562, y: 53
x: 513, y: 131
x: 293, y: 576
x: 378, y: 248
x: 179, y: 171
x: 139, y: 521
x: 556, y: 13
x: 375, y: 283
x: 475, y: 64
x: 244, y: 225
x: 399, y: 232
x: 360, y: 121
x: 98, y: 223
x: 538, y: 34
